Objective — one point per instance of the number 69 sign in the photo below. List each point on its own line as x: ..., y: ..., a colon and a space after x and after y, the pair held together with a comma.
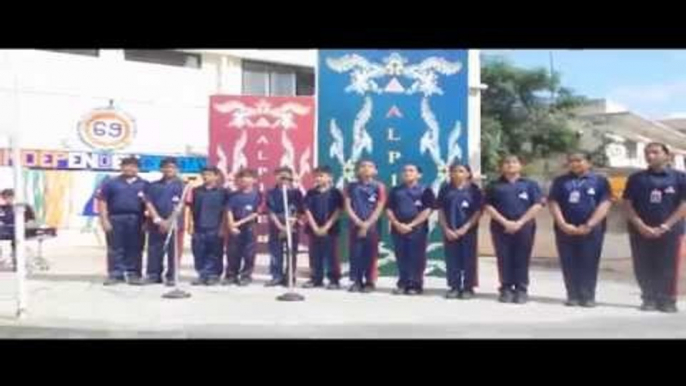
x: 107, y: 129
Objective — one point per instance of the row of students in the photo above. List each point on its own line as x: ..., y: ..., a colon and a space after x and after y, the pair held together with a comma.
x: 579, y: 202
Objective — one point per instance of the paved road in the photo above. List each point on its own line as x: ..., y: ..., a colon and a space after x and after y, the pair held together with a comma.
x: 69, y: 301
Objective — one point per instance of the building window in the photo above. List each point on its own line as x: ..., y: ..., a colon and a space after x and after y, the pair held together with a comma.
x: 94, y: 52
x: 166, y: 57
x: 276, y: 80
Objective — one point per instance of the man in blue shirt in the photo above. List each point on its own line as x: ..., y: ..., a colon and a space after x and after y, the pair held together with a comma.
x: 207, y: 207
x: 409, y: 207
x: 243, y: 209
x: 122, y: 210
x: 365, y: 200
x: 655, y: 203
x: 277, y: 225
x: 512, y: 201
x: 579, y: 203
x: 162, y: 197
x: 323, y: 206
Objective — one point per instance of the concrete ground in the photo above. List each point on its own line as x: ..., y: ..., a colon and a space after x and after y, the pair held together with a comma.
x: 69, y: 301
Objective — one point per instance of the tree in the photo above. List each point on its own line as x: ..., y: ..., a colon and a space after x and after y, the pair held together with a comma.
x: 525, y: 112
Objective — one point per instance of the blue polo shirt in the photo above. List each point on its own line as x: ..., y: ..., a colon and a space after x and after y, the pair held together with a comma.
x: 207, y: 206
x: 655, y: 195
x: 322, y: 205
x: 406, y: 202
x: 364, y: 197
x: 275, y: 202
x: 459, y: 204
x: 123, y: 197
x: 164, y: 195
x: 513, y: 199
x: 243, y: 204
x: 580, y: 196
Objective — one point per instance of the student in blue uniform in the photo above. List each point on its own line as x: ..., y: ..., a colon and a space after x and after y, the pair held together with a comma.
x: 122, y: 210
x: 323, y: 205
x: 277, y: 225
x: 408, y: 209
x: 459, y: 205
x: 243, y: 210
x: 364, y: 200
x: 579, y: 203
x: 7, y: 219
x: 512, y: 201
x: 207, y: 203
x: 161, y: 198
x: 655, y: 206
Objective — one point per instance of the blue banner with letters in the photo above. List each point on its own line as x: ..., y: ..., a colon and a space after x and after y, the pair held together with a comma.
x: 393, y: 107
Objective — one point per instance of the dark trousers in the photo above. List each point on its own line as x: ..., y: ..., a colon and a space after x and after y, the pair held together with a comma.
x: 241, y: 254
x: 208, y: 252
x: 410, y: 256
x: 125, y: 246
x: 513, y: 253
x: 324, y: 257
x: 156, y: 253
x: 364, y: 253
x: 656, y: 264
x: 461, y: 261
x: 579, y: 258
x: 277, y: 247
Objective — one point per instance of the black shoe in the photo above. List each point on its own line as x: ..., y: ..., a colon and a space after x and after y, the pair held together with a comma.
x: 153, y: 280
x: 333, y: 286
x: 506, y: 296
x: 212, y: 281
x: 229, y: 281
x: 466, y: 294
x: 170, y: 283
x: 110, y: 281
x: 413, y: 291
x: 312, y: 284
x: 244, y: 281
x: 199, y: 281
x: 273, y: 282
x: 399, y: 291
x: 572, y: 302
x: 521, y: 297
x: 588, y: 303
x: 668, y: 307
x: 134, y: 280
x: 368, y: 288
x: 452, y: 294
x: 356, y: 287
x: 648, y: 305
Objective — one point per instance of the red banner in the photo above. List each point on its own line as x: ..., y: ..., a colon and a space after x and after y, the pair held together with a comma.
x: 263, y: 133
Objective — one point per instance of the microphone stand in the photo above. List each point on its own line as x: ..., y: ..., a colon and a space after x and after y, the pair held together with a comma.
x: 290, y: 295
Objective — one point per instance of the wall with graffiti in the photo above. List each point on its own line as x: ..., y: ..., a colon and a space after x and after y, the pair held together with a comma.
x: 394, y: 107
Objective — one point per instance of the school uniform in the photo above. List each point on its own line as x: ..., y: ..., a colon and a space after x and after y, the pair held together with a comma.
x: 275, y: 205
x: 208, y: 210
x: 126, y: 210
x: 323, y: 250
x: 164, y: 195
x: 244, y: 245
x: 655, y: 195
x: 459, y: 205
x: 578, y: 197
x: 364, y: 251
x: 406, y: 203
x: 513, y: 251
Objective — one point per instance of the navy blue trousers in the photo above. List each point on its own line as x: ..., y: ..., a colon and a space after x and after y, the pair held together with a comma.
x: 364, y: 252
x: 461, y: 261
x: 241, y: 253
x: 410, y: 257
x: 656, y: 264
x: 579, y: 258
x: 125, y: 246
x: 156, y: 254
x: 513, y: 252
x: 277, y: 268
x: 324, y: 258
x: 208, y: 253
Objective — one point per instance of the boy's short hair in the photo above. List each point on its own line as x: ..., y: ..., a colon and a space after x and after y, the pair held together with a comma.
x: 661, y: 145
x: 508, y: 157
x: 324, y: 169
x: 283, y: 169
x: 361, y: 162
x: 456, y: 165
x: 246, y: 173
x: 419, y: 168
x: 7, y: 193
x: 211, y: 169
x: 584, y: 154
x: 168, y: 161
x: 130, y: 161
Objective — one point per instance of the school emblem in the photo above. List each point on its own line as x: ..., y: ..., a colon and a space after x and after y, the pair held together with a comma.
x: 248, y: 207
x: 524, y: 195
x: 372, y: 198
x: 465, y: 204
x: 107, y: 128
x: 670, y: 190
x: 417, y: 203
x: 591, y: 192
x: 175, y: 199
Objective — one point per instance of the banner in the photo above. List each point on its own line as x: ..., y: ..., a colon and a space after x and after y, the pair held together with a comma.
x: 263, y: 133
x: 394, y: 107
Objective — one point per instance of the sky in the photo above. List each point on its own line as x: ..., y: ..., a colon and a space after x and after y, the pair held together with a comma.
x: 649, y: 82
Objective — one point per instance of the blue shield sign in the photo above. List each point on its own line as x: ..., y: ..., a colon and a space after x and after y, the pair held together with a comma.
x: 393, y: 107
